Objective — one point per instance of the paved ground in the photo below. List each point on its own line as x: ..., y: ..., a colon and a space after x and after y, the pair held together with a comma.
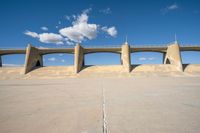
x: 133, y: 104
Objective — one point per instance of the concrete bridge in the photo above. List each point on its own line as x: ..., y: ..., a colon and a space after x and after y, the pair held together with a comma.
x: 34, y: 55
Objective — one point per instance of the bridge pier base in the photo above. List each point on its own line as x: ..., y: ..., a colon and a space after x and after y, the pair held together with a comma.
x: 78, y: 58
x: 33, y: 59
x: 173, y: 56
x: 125, y: 57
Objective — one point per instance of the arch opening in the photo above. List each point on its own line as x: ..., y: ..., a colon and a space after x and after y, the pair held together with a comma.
x: 102, y: 58
x: 13, y: 60
x: 58, y: 59
x: 139, y: 58
x: 190, y: 57
x: 38, y: 64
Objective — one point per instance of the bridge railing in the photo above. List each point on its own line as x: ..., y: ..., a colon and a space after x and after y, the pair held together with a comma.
x: 105, y: 46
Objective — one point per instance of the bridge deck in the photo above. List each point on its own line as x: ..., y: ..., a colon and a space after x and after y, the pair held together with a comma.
x: 43, y: 51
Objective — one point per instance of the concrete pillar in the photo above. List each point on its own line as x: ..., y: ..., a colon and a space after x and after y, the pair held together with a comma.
x: 164, y: 55
x: 78, y: 58
x: 33, y: 59
x: 125, y: 57
x: 173, y: 56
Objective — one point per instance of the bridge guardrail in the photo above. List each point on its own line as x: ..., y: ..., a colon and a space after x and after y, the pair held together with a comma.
x: 107, y: 46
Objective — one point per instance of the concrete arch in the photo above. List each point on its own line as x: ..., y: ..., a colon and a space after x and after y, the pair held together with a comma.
x: 102, y: 55
x: 93, y: 52
x: 54, y: 53
x: 190, y: 54
x: 61, y: 59
x: 138, y: 51
x: 9, y: 54
x: 137, y: 58
x: 46, y: 52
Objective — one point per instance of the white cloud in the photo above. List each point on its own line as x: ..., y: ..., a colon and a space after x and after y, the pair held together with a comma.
x: 63, y: 61
x: 151, y: 58
x: 144, y: 58
x: 46, y: 37
x: 42, y: 47
x: 80, y: 29
x: 111, y: 31
x: 52, y: 59
x: 172, y: 7
x: 11, y: 65
x: 67, y: 17
x: 169, y: 8
x: 106, y: 11
x: 51, y: 38
x: 31, y: 34
x: 44, y: 28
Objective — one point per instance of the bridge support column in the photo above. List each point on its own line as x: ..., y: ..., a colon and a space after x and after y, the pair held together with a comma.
x: 173, y: 56
x: 125, y: 57
x: 164, y: 56
x: 78, y: 58
x: 33, y: 59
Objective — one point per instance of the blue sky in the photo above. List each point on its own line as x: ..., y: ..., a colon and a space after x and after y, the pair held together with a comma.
x: 59, y: 23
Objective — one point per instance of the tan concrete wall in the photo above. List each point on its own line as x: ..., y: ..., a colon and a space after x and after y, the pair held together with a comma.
x: 173, y: 57
x: 78, y: 58
x: 125, y: 57
x: 32, y: 57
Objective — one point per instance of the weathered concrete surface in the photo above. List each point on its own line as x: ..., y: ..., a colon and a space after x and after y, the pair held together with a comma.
x: 33, y: 59
x: 125, y: 55
x: 173, y: 56
x: 64, y: 72
x: 78, y: 58
x: 138, y: 104
x: 158, y: 68
x: 34, y: 55
x: 192, y: 68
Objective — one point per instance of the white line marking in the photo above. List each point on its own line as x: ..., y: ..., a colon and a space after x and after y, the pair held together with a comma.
x: 104, y: 111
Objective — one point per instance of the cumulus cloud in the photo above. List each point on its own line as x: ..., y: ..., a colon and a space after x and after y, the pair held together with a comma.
x: 44, y: 28
x: 169, y: 8
x: 106, y: 11
x: 51, y: 38
x: 52, y: 59
x: 46, y: 37
x: 111, y: 31
x: 80, y: 29
x: 31, y: 34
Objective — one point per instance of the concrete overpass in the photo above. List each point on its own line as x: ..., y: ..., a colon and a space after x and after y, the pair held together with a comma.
x: 34, y: 55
